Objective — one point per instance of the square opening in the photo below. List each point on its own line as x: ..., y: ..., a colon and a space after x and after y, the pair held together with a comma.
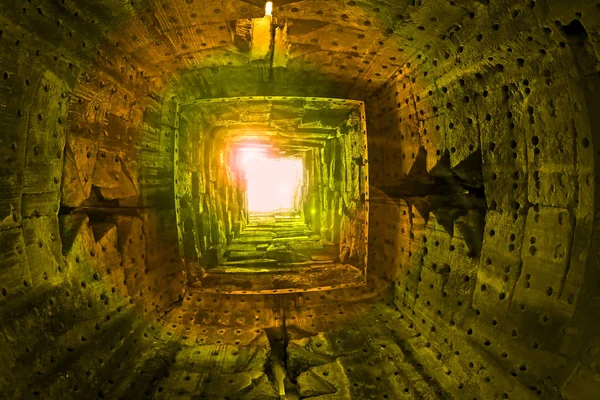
x: 272, y: 194
x: 272, y: 183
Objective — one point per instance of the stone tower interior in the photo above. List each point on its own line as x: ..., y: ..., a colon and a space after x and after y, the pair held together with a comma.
x: 439, y: 238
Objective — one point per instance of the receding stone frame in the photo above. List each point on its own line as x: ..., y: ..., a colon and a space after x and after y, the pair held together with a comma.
x: 343, y: 203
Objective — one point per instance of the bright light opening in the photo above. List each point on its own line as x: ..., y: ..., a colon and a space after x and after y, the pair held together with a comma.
x: 273, y: 184
x: 269, y: 8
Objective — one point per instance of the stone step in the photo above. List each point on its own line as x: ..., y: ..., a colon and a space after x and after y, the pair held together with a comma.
x: 281, y: 278
x: 234, y: 271
x: 255, y: 263
x: 293, y: 233
x: 287, y: 217
x: 287, y: 239
x: 242, y: 247
x: 252, y: 239
x: 258, y: 233
x: 311, y: 244
x: 311, y: 264
x: 235, y: 255
x: 275, y: 226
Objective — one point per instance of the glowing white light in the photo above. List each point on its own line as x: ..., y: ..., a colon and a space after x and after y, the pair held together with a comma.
x: 272, y: 182
x: 269, y: 8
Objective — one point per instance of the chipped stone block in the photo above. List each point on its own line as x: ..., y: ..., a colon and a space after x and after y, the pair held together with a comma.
x: 327, y: 380
x: 300, y: 358
x: 78, y: 245
x: 114, y: 177
x: 243, y: 34
x: 80, y: 161
x: 106, y: 237
x: 471, y: 227
x: 244, y: 385
x: 282, y: 47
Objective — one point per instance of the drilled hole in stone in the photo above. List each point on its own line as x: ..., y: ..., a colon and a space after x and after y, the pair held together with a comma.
x: 586, y: 143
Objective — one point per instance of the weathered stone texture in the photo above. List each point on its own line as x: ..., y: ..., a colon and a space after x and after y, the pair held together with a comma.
x: 507, y: 86
x: 477, y: 196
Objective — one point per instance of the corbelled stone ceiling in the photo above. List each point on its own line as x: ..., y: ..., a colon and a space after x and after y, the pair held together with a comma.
x: 441, y: 245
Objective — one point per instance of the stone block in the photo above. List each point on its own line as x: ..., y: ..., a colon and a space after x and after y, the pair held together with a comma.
x: 132, y: 246
x: 261, y: 37
x: 115, y: 177
x: 500, y: 265
x: 327, y: 380
x: 44, y: 249
x: 80, y: 161
x: 78, y: 246
x: 13, y: 123
x: 46, y: 137
x: 300, y: 358
x: 111, y: 271
x: 15, y: 276
x: 11, y: 185
x: 546, y: 254
x: 41, y: 204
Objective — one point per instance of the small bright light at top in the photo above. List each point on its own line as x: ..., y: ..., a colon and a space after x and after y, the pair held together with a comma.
x: 269, y: 8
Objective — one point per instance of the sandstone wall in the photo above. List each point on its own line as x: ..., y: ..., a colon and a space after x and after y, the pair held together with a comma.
x: 500, y: 107
x: 88, y: 251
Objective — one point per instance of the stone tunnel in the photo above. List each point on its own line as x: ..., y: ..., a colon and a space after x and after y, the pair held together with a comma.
x: 437, y: 241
